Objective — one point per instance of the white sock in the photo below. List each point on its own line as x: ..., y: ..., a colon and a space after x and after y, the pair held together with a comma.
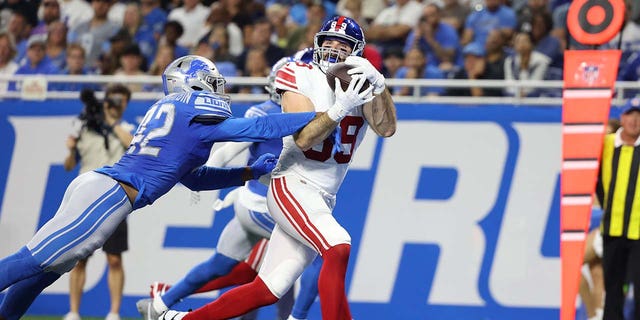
x: 159, y: 305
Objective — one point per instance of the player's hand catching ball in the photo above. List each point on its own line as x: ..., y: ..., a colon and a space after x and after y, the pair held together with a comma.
x: 263, y: 165
x: 349, y: 99
x: 363, y: 66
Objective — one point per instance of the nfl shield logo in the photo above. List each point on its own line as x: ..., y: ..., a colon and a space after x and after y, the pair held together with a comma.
x: 588, y: 73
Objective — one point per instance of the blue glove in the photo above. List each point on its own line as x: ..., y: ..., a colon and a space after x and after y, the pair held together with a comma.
x: 263, y: 165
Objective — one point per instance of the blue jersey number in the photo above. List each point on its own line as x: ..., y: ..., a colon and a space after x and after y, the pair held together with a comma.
x: 156, y: 123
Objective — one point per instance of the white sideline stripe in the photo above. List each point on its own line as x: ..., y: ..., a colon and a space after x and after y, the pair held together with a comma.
x: 576, y: 94
x: 576, y: 201
x: 573, y: 236
x: 586, y: 128
x: 579, y: 164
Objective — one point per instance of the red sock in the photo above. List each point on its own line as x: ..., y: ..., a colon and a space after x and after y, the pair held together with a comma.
x: 240, y: 274
x: 333, y: 299
x: 235, y: 302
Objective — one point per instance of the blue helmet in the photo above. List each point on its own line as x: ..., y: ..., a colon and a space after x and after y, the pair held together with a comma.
x: 271, y: 87
x: 192, y: 73
x: 343, y: 29
x: 304, y: 55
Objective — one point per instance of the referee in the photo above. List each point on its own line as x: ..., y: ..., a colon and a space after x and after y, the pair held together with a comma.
x: 619, y: 193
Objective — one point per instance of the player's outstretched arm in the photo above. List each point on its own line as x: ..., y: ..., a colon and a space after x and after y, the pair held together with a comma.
x: 258, y: 129
x: 381, y: 114
x: 212, y: 178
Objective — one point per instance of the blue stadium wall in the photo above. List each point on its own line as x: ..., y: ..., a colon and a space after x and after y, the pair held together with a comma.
x: 455, y: 217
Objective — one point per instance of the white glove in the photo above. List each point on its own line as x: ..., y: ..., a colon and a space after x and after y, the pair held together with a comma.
x: 365, y: 67
x: 349, y: 99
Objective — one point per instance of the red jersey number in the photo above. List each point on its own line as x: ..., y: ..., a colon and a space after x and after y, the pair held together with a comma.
x: 349, y: 129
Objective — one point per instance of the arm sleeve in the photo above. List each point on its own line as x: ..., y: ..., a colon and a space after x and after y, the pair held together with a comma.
x: 226, y: 153
x: 212, y: 178
x: 258, y: 129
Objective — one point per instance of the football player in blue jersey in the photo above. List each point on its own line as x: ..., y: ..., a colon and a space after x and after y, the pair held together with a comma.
x: 234, y: 259
x: 171, y: 145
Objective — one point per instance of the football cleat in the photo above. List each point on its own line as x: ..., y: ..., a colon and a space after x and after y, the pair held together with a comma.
x: 145, y: 307
x: 172, y: 315
x: 158, y: 289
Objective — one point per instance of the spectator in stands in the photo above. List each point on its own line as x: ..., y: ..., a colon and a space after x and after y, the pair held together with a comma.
x: 110, y: 60
x: 474, y: 68
x: 416, y: 67
x: 7, y: 53
x: 525, y: 64
x: 277, y: 16
x: 164, y: 56
x: 57, y: 44
x: 49, y: 12
x: 393, y: 24
x: 256, y: 66
x: 153, y: 17
x: 545, y: 43
x: 302, y: 36
x: 260, y: 38
x: 74, y: 12
x: 218, y: 41
x: 494, y: 15
x: 352, y: 9
x: 495, y: 48
x: 37, y: 61
x: 172, y: 32
x: 370, y: 9
x: 438, y: 41
x: 532, y: 7
x: 92, y: 34
x: 75, y: 65
x: 220, y: 15
x: 131, y: 65
x: 455, y: 14
x: 116, y: 11
x: 628, y: 39
x: 21, y: 22
x: 242, y: 14
x: 192, y: 16
x: 141, y: 34
x: 299, y: 11
x: 392, y: 60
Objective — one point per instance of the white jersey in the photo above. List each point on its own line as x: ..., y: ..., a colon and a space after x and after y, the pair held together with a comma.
x: 317, y: 164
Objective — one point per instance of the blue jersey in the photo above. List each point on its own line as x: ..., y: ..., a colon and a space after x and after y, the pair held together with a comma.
x: 273, y: 146
x: 175, y: 138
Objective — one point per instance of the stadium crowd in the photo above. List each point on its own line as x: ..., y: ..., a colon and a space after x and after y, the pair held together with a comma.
x: 431, y: 39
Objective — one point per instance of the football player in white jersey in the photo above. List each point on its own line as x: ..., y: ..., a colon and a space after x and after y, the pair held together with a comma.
x: 310, y: 170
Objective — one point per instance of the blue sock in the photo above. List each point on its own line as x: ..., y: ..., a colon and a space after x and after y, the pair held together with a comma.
x: 18, y: 266
x: 20, y: 295
x: 308, y: 289
x: 218, y: 265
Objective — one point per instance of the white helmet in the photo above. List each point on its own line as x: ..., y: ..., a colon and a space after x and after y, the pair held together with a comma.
x: 192, y: 73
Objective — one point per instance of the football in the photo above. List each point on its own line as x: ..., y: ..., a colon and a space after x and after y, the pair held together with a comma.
x: 339, y: 70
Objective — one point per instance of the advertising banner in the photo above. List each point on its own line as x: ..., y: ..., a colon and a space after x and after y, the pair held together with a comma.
x: 454, y: 217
